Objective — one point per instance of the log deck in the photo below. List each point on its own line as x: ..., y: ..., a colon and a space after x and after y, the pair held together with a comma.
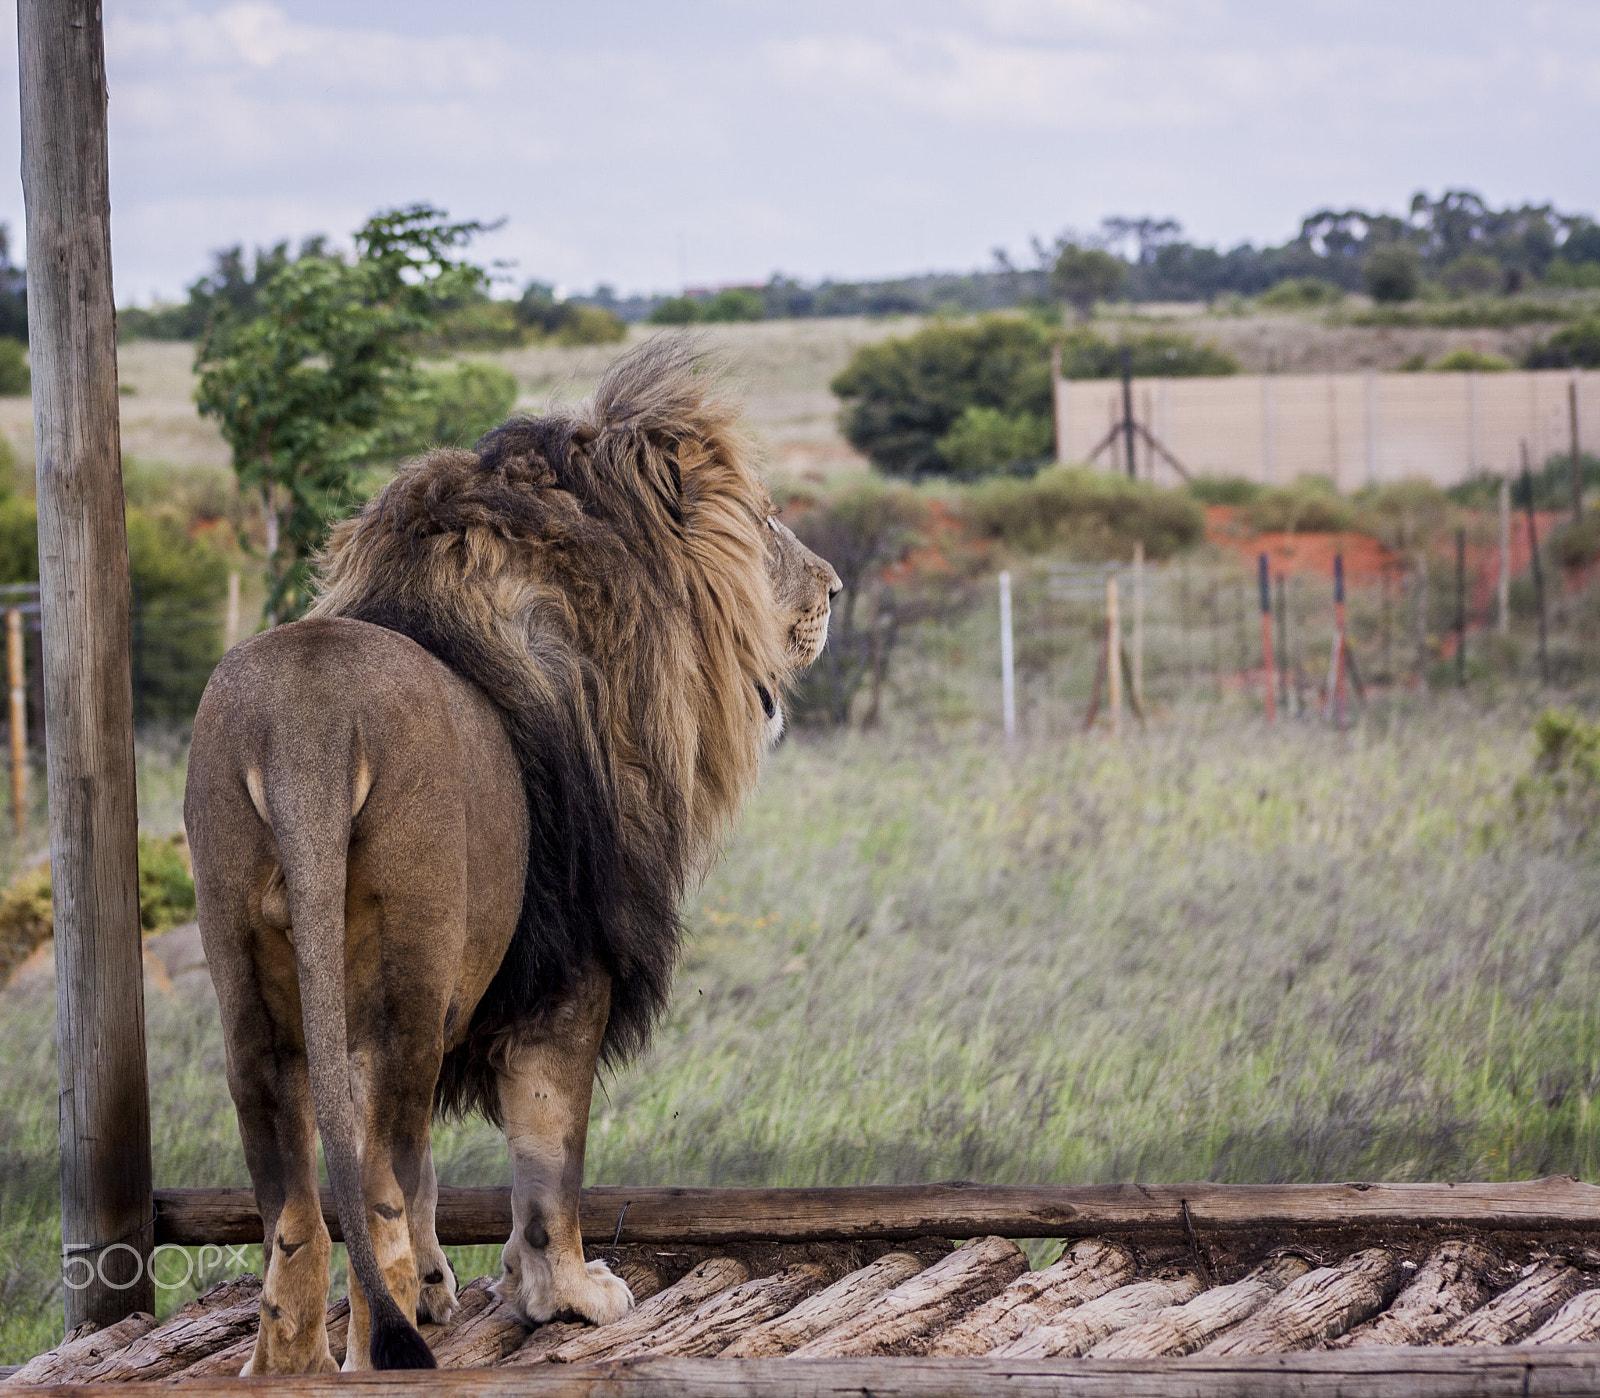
x: 1173, y: 1289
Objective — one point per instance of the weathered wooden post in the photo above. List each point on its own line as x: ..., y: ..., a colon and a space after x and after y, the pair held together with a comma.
x: 1269, y: 678
x: 1538, y: 570
x: 107, y: 1210
x: 1008, y: 672
x: 17, y: 683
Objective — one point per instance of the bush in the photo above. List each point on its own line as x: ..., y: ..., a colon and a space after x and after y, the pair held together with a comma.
x: 478, y: 324
x: 676, y: 310
x: 1224, y: 490
x: 1300, y: 294
x: 1576, y: 346
x: 1081, y: 276
x: 736, y: 303
x: 1473, y: 273
x: 1160, y: 354
x: 457, y: 406
x: 15, y: 379
x: 1392, y: 273
x: 1573, y: 276
x: 590, y: 325
x: 1577, y: 542
x: 903, y: 395
x: 1309, y: 506
x: 1089, y: 514
x: 1565, y: 781
x: 166, y: 885
x: 986, y: 440
x: 1464, y: 360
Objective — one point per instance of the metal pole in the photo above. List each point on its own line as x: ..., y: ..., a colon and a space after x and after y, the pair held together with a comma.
x: 107, y: 1208
x: 1577, y: 465
x: 1283, y: 641
x: 1269, y: 678
x: 1058, y: 408
x: 19, y: 723
x: 1138, y: 627
x: 1008, y: 680
x: 1538, y: 568
x: 1461, y: 606
x: 1338, y: 639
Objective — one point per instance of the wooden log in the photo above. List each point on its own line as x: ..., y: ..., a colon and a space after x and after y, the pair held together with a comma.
x: 231, y: 1361
x: 482, y: 1330
x: 899, y: 1321
x: 830, y: 1307
x: 1576, y: 1323
x: 84, y: 1352
x: 683, y: 1296
x: 85, y: 606
x: 716, y: 1323
x: 1083, y: 1327
x: 1543, y: 1289
x: 539, y: 1345
x: 1084, y: 1271
x: 711, y: 1217
x: 1454, y: 1280
x: 1320, y: 1306
x: 222, y: 1317
x: 1193, y: 1325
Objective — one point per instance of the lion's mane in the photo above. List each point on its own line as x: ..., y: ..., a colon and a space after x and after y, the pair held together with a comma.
x: 601, y: 576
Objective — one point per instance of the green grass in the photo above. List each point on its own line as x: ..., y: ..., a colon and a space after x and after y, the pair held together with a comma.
x: 1216, y: 951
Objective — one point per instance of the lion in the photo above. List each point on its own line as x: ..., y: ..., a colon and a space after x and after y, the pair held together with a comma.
x: 441, y: 828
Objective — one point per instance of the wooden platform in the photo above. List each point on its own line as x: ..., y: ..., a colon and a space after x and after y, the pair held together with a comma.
x: 921, y: 1290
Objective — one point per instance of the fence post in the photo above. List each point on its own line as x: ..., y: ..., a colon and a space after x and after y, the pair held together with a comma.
x: 1503, y: 584
x: 1269, y: 678
x: 1577, y: 466
x: 1461, y: 606
x: 230, y: 625
x: 1336, y: 687
x: 1127, y: 413
x: 1283, y: 642
x: 1008, y: 682
x: 1538, y: 568
x: 19, y: 723
x: 107, y: 1207
x: 1058, y: 407
x: 1138, y: 627
x: 1113, y: 656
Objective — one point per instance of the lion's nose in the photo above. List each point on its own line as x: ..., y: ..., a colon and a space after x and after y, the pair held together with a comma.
x: 835, y: 586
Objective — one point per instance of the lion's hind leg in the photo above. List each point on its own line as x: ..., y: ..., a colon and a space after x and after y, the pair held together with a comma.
x: 437, y: 1300
x: 544, y: 1086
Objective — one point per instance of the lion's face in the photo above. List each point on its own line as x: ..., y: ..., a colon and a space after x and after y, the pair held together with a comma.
x: 803, y: 586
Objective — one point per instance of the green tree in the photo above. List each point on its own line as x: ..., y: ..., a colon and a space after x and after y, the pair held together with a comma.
x: 676, y: 310
x: 319, y: 383
x: 1081, y: 276
x: 735, y: 303
x: 903, y: 395
x: 1393, y: 273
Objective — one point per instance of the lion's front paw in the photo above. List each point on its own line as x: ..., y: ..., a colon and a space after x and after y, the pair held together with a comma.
x: 437, y: 1300
x: 596, y: 1294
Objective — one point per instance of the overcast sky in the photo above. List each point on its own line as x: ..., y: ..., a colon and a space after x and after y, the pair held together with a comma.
x: 653, y: 143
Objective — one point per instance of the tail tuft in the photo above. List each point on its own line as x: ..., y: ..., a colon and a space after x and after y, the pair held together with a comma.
x: 396, y: 1344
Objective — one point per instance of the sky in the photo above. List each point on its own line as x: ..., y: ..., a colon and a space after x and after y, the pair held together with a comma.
x: 653, y: 144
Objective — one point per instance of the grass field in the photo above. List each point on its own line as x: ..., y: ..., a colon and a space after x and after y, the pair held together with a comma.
x: 1214, y: 951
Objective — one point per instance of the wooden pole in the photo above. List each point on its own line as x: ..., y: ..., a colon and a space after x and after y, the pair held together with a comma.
x: 107, y: 1208
x: 1461, y: 606
x: 1538, y: 568
x: 1113, y: 650
x: 230, y: 626
x: 1576, y: 463
x: 19, y: 723
x: 1503, y: 589
x: 1283, y: 641
x: 1338, y: 695
x: 1008, y: 674
x: 1137, y: 681
x: 1127, y: 412
x: 1057, y: 407
x: 1269, y: 678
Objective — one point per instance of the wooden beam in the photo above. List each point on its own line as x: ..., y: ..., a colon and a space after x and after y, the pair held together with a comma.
x: 709, y: 1217
x: 84, y: 600
x: 1489, y: 1372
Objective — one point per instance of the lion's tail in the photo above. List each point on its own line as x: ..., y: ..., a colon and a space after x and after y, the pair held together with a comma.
x: 311, y: 823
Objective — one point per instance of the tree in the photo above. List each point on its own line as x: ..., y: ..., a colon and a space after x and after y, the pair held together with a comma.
x: 1081, y: 276
x: 318, y: 384
x: 1393, y: 272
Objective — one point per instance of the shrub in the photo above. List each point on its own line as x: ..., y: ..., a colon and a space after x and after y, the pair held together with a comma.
x: 1576, y: 346
x: 1574, y: 276
x: 1090, y: 514
x: 1577, y: 542
x: 456, y: 406
x: 478, y: 324
x: 1564, y: 783
x: 986, y: 440
x: 166, y: 885
x: 590, y: 325
x: 1224, y: 490
x: 1473, y: 273
x: 1081, y: 276
x: 19, y: 541
x: 1463, y: 360
x: 1300, y: 294
x: 903, y: 395
x: 1392, y: 273
x: 676, y: 310
x: 1309, y: 506
x: 736, y: 303
x: 15, y: 379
